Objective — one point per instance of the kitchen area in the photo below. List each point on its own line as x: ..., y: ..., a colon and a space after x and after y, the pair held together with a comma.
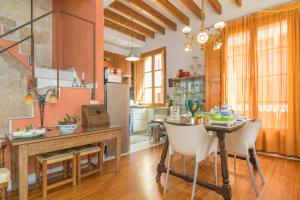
x: 137, y: 120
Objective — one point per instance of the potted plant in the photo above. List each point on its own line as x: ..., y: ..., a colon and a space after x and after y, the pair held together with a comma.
x: 68, y: 124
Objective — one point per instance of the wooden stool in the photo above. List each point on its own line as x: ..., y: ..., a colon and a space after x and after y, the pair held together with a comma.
x: 88, y: 150
x: 51, y: 158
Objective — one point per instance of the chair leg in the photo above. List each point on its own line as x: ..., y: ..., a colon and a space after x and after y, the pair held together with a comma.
x: 45, y: 179
x: 101, y: 156
x: 37, y: 172
x: 184, y: 165
x: 216, y: 167
x: 168, y: 171
x: 89, y: 161
x: 252, y: 175
x: 234, y: 162
x: 65, y: 168
x: 195, y: 180
x: 74, y: 170
x: 258, y: 167
x: 78, y: 169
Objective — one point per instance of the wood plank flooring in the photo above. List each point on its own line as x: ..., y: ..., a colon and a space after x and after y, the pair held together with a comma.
x: 136, y: 181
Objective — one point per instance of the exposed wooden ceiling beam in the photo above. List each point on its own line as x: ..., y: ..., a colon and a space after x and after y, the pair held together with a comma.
x: 175, y: 11
x: 123, y: 29
x: 137, y: 16
x: 128, y: 23
x: 147, y: 8
x: 190, y: 4
x: 216, y: 5
x: 238, y: 3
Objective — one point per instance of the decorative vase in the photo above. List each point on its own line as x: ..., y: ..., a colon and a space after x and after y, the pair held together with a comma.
x: 192, y: 105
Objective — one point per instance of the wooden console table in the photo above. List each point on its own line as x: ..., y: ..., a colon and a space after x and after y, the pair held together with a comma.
x: 53, y: 141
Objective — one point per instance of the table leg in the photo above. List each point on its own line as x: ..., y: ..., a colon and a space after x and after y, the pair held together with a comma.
x: 23, y: 172
x: 118, y: 153
x: 14, y: 168
x: 252, y: 159
x: 226, y: 189
x: 161, y: 165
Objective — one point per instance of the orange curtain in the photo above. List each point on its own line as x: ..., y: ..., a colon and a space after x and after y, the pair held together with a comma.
x: 261, y: 74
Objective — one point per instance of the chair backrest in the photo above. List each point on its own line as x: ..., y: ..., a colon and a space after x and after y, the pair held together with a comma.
x: 247, y: 134
x: 188, y: 140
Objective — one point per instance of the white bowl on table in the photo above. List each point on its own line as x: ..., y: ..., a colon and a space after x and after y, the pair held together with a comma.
x: 67, y: 129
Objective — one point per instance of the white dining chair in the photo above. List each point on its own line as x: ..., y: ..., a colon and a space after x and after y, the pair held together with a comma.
x: 240, y: 141
x: 191, y: 141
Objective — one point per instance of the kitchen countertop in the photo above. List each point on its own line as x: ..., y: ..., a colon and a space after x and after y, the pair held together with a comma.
x: 142, y: 106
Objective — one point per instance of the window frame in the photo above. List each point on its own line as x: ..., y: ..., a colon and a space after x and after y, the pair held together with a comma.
x: 153, y: 70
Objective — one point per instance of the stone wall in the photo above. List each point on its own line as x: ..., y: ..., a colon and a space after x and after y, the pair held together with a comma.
x: 14, y: 13
x: 13, y: 79
x: 13, y: 75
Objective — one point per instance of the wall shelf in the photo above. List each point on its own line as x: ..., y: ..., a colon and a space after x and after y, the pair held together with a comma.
x: 192, y: 77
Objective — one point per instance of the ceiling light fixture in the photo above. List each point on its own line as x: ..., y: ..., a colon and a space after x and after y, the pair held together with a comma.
x: 132, y: 56
x: 205, y: 34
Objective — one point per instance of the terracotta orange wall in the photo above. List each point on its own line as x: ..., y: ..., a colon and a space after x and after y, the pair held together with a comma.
x: 76, y: 39
x: 14, y: 51
x: 70, y: 101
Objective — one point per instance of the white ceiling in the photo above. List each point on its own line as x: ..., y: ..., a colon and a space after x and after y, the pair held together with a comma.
x: 229, y: 11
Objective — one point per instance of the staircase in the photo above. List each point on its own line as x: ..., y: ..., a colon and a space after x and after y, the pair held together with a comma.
x: 45, y: 76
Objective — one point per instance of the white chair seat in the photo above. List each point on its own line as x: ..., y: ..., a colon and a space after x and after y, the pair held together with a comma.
x: 4, y: 175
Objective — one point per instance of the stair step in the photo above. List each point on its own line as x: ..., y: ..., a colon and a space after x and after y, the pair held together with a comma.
x: 46, y: 82
x: 50, y: 73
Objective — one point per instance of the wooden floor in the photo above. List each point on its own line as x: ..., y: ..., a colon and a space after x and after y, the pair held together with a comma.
x: 136, y: 181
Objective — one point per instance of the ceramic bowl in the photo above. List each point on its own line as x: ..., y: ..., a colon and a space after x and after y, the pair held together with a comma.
x: 67, y: 129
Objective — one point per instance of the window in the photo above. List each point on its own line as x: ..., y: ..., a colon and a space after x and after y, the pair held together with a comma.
x: 268, y: 72
x: 154, y: 77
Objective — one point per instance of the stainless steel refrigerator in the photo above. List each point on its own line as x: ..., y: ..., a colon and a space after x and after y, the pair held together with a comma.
x: 117, y: 102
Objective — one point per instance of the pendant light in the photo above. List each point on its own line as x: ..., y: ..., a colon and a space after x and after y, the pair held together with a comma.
x: 132, y: 56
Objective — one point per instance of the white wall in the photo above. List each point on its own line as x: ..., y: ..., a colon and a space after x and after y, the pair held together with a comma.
x: 116, y: 49
x: 177, y: 57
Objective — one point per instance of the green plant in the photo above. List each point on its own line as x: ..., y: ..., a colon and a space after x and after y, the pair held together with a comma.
x: 68, y: 119
x: 28, y: 128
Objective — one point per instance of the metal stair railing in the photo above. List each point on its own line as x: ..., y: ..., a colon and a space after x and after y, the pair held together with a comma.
x: 31, y: 36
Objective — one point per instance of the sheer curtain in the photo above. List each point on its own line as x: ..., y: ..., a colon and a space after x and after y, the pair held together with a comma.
x: 261, y: 74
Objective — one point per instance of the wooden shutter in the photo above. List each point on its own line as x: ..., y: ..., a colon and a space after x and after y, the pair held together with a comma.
x: 138, y: 80
x: 212, y: 76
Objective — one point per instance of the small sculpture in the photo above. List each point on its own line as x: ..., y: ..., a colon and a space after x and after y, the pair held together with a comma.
x: 192, y: 105
x: 196, y: 66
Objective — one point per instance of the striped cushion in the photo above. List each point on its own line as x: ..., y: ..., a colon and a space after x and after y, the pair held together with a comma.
x: 56, y: 156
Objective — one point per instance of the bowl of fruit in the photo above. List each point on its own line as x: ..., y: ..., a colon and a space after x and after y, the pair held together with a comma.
x: 28, y: 132
x: 69, y: 124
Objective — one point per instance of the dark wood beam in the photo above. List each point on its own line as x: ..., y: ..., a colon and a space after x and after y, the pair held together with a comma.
x: 216, y: 5
x: 175, y: 11
x: 190, y: 4
x: 110, y: 24
x: 238, y: 3
x: 136, y: 16
x: 147, y: 8
x: 113, y: 16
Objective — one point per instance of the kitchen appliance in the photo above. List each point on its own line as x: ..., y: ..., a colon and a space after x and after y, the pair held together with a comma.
x: 117, y: 106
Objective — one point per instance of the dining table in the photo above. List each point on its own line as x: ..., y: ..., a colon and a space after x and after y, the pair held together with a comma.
x: 54, y: 140
x: 220, y: 132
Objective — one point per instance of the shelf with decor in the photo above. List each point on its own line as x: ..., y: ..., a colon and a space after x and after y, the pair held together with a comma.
x: 191, y: 87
